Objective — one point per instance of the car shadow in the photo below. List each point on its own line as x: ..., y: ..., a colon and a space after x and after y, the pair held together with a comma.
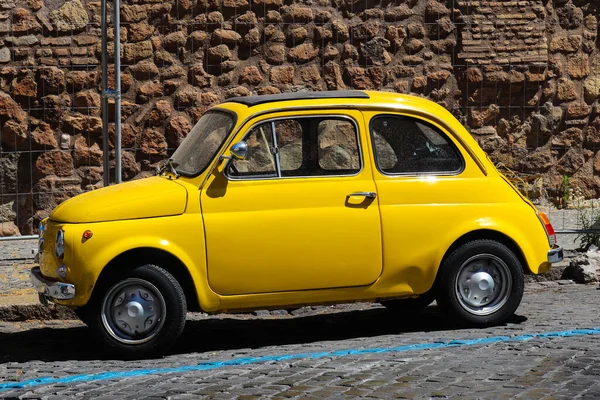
x: 213, y: 334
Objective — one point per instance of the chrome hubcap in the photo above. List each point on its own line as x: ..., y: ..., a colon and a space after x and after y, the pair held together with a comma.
x: 483, y: 284
x: 133, y: 311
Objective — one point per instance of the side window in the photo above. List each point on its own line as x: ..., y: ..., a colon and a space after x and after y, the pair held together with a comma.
x: 404, y: 145
x: 289, y: 145
x: 260, y: 161
x: 338, y: 148
x: 302, y: 147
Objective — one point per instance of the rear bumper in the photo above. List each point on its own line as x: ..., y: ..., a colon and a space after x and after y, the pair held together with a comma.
x: 555, y: 254
x: 53, y: 290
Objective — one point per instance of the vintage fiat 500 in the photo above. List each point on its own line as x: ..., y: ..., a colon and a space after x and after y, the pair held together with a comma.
x: 286, y: 200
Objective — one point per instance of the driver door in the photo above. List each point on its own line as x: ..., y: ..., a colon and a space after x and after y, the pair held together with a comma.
x: 299, y: 213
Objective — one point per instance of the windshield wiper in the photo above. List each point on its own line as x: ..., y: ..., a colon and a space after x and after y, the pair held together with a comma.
x: 169, y: 165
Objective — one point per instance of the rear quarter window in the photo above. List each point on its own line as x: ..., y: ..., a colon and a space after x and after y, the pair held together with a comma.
x: 404, y: 145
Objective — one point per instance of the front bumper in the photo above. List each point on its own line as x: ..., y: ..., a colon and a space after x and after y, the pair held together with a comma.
x: 54, y: 290
x: 555, y: 254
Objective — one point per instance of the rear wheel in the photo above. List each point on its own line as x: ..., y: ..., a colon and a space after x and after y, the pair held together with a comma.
x: 481, y: 283
x: 141, y: 313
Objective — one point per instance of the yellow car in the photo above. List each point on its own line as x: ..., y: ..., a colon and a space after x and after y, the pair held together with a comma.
x: 286, y: 200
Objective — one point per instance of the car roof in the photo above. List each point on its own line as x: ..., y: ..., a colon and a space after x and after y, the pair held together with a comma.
x: 251, y: 101
x: 251, y: 106
x: 344, y: 98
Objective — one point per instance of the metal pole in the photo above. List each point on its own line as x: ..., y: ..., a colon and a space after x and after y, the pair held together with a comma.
x: 24, y: 237
x: 105, y: 148
x: 117, y: 95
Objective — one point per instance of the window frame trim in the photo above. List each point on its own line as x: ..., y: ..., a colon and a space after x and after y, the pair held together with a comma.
x: 278, y: 167
x: 431, y: 125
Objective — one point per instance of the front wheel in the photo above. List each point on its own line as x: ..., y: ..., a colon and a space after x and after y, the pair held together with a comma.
x: 481, y: 283
x: 141, y: 313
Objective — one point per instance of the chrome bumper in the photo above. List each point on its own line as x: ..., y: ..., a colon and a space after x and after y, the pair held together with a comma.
x: 54, y: 290
x: 555, y: 254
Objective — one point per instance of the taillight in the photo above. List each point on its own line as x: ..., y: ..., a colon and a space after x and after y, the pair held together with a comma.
x: 548, y: 227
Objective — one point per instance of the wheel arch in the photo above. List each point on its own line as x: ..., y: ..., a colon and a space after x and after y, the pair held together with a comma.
x: 149, y: 255
x: 490, y: 235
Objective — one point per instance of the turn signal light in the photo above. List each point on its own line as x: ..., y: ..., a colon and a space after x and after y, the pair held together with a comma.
x: 88, y: 234
x: 548, y: 227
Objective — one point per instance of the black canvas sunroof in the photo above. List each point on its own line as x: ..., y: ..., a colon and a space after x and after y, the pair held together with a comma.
x: 270, y: 98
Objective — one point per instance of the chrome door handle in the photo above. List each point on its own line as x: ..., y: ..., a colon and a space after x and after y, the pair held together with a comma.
x: 370, y: 195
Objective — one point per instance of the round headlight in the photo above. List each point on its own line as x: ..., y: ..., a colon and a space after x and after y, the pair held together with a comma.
x: 61, y: 271
x: 60, y: 244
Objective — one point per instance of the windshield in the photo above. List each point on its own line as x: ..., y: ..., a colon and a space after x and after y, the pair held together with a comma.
x: 203, y: 142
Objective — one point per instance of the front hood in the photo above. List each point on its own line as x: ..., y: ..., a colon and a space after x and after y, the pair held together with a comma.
x: 150, y: 197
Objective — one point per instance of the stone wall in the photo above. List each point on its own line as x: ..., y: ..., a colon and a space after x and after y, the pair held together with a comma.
x: 524, y: 76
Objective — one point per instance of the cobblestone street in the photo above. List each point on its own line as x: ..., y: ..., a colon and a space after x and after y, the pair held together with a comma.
x: 358, y: 350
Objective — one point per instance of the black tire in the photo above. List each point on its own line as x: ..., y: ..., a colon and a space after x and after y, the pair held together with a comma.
x: 480, y: 283
x: 84, y: 314
x: 411, y: 304
x: 149, y: 323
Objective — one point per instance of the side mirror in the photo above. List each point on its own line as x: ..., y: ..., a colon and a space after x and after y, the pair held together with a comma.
x: 239, y: 151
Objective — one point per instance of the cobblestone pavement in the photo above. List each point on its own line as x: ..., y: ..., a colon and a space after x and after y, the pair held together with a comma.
x: 554, y: 366
x: 16, y: 260
x: 14, y: 278
x: 18, y: 250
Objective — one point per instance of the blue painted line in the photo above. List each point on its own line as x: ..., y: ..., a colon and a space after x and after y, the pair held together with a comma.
x: 210, y: 365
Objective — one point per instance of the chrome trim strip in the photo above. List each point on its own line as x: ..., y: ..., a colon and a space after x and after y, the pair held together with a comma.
x: 276, y: 148
x: 54, y: 290
x: 555, y: 254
